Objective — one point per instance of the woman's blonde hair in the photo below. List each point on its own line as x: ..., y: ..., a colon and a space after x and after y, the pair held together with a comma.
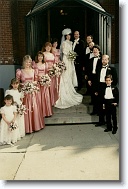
x: 25, y: 58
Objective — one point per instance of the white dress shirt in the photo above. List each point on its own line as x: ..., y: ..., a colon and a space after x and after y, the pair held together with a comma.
x: 91, y: 55
x: 87, y: 50
x: 74, y: 44
x: 94, y: 65
x: 103, y: 74
x: 108, y: 93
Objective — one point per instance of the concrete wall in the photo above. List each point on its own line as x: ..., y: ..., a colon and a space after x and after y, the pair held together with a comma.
x: 7, y: 72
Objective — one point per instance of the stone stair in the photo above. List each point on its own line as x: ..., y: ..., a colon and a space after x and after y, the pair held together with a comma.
x: 74, y: 115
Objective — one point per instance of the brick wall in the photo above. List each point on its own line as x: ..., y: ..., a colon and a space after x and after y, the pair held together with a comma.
x: 12, y: 30
x: 24, y: 7
x: 6, y: 45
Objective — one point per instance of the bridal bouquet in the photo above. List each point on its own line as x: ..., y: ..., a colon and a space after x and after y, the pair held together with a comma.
x: 13, y: 126
x: 29, y: 87
x: 21, y: 109
x: 72, y: 55
x: 45, y: 80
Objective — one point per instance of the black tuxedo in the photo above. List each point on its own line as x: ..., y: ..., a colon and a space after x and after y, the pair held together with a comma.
x: 115, y: 93
x: 79, y: 62
x: 90, y: 67
x: 100, y: 87
x: 110, y: 109
x: 86, y: 66
x: 86, y: 63
x: 110, y: 71
x: 93, y: 78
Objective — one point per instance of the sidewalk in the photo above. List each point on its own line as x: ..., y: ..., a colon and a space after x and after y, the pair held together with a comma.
x: 68, y: 152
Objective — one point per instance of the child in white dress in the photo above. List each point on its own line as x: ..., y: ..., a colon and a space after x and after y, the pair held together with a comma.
x: 17, y: 97
x: 9, y: 132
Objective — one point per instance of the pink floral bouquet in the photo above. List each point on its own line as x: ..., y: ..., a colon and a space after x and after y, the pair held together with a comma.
x: 45, y: 80
x: 29, y: 87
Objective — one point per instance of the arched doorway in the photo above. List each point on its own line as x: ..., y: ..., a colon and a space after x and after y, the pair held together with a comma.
x: 48, y: 18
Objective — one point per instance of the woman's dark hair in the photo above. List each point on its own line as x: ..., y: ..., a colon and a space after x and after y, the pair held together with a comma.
x: 9, y: 97
x: 54, y: 40
x: 39, y: 53
x: 66, y: 35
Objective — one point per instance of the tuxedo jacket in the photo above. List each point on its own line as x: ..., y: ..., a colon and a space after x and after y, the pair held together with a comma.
x: 115, y: 93
x: 110, y: 71
x: 79, y: 49
x: 90, y: 67
x: 86, y: 63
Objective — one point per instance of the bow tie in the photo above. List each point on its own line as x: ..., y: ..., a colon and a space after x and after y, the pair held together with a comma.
x: 109, y: 86
x: 104, y: 67
x: 96, y: 56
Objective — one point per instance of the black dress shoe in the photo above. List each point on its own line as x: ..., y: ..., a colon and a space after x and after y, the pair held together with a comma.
x: 107, y: 130
x: 114, y: 131
x: 99, y: 124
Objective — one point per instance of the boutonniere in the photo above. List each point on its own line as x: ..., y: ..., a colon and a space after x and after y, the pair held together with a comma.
x: 77, y: 42
x: 113, y: 88
x: 109, y: 68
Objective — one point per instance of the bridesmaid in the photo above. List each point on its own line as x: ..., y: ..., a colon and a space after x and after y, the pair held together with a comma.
x: 41, y: 69
x: 49, y: 58
x: 56, y: 53
x: 34, y: 120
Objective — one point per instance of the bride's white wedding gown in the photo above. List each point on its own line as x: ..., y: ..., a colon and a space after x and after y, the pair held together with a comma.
x: 67, y: 95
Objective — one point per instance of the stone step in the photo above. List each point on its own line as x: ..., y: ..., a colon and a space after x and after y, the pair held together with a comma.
x: 76, y: 109
x: 71, y: 118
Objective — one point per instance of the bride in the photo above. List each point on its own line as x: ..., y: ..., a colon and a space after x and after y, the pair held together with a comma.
x: 67, y: 95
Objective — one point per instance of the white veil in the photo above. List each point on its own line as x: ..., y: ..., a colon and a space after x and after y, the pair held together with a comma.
x: 64, y: 32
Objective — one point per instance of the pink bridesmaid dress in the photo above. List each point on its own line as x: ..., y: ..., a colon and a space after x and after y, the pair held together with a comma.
x: 50, y: 60
x: 57, y: 59
x: 44, y: 95
x: 34, y: 120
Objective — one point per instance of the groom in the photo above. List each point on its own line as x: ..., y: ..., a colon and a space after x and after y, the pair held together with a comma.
x: 78, y: 47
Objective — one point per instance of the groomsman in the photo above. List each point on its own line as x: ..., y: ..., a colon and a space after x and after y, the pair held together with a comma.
x: 88, y: 56
x: 102, y: 71
x: 93, y: 65
x: 89, y: 39
x: 78, y: 47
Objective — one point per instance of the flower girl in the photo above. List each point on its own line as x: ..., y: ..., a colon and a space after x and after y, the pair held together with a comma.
x: 17, y: 97
x: 9, y: 130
